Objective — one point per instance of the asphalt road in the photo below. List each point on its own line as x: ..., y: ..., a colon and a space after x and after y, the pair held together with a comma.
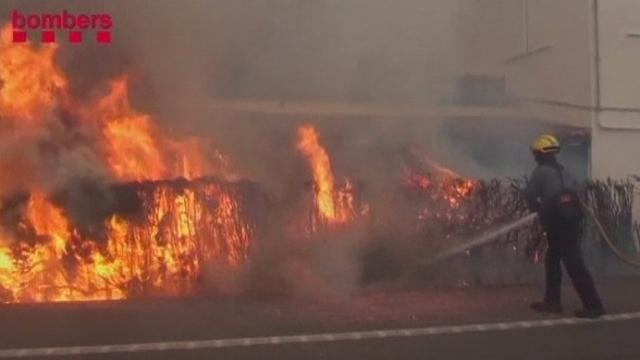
x: 62, y: 325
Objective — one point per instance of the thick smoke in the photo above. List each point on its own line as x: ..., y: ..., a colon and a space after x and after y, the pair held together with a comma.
x: 183, y: 55
x: 186, y: 54
x: 193, y: 52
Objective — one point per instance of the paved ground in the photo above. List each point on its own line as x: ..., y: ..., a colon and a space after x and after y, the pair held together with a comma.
x: 372, y: 309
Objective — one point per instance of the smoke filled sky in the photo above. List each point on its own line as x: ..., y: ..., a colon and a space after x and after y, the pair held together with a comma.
x: 368, y: 50
x: 82, y: 117
x: 184, y: 54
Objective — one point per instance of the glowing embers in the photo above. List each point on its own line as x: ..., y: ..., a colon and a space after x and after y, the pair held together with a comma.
x: 155, y: 240
x: 442, y: 194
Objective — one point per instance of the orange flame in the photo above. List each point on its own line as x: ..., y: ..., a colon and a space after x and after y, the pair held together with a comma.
x: 455, y: 190
x: 31, y: 82
x: 164, y: 252
x: 449, y: 185
x: 335, y: 205
x: 133, y: 151
x: 46, y: 257
x: 136, y: 150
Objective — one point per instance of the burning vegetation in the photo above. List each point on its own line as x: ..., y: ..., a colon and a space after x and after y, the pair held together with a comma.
x: 155, y: 239
x: 97, y: 202
x: 334, y: 204
x: 140, y: 229
x: 137, y: 212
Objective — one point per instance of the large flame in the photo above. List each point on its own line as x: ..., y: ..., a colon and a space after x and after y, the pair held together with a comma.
x: 136, y: 150
x: 132, y: 147
x: 336, y: 205
x: 162, y: 253
x: 45, y: 256
x: 31, y: 80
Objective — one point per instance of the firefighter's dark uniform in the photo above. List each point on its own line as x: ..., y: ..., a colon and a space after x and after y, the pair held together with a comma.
x: 563, y: 237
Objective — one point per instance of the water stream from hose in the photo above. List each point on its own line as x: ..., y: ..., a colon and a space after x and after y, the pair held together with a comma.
x: 485, y: 238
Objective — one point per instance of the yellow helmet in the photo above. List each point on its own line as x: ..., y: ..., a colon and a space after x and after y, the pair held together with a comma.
x: 546, y: 144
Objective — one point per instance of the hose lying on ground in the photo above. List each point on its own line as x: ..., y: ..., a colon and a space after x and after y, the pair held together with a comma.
x: 619, y: 254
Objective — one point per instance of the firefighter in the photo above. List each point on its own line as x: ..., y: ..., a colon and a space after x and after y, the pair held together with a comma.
x: 549, y: 192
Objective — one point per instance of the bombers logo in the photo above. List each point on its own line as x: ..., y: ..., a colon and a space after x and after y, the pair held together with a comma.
x: 74, y: 26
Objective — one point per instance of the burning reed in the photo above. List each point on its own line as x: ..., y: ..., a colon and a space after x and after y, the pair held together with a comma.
x: 448, y: 209
x: 104, y: 204
x: 155, y: 238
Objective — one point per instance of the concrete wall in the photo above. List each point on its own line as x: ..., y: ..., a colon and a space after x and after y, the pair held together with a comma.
x: 620, y: 53
x: 544, y: 57
x: 616, y: 129
x: 559, y: 44
x: 489, y: 31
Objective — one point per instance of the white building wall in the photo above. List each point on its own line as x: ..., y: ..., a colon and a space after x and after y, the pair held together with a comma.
x: 489, y: 32
x: 547, y: 52
x: 616, y: 130
x: 620, y: 53
x: 558, y: 54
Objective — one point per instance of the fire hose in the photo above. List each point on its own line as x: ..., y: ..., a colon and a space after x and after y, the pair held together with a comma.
x: 619, y: 254
x: 488, y: 237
